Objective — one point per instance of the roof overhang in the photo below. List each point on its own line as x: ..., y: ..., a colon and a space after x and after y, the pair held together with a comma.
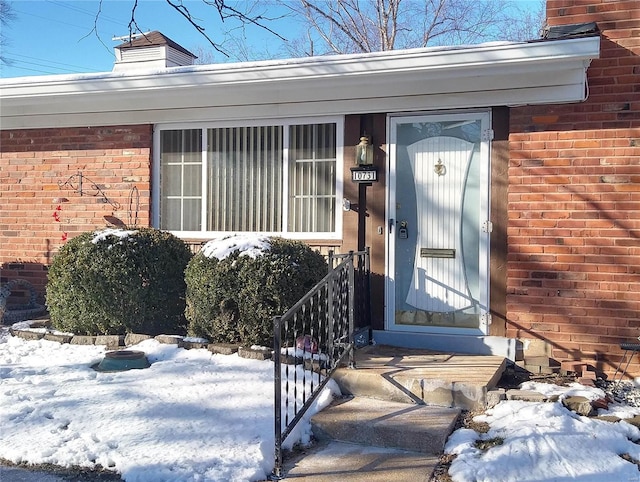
x: 504, y: 74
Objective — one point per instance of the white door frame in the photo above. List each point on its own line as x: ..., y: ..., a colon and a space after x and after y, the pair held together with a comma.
x: 390, y: 295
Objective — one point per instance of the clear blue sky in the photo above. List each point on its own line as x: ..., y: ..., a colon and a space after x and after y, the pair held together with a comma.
x: 55, y: 36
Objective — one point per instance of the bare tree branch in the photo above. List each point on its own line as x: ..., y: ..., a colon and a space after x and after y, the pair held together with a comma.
x: 6, y: 17
x: 133, y: 24
x: 343, y: 26
x: 184, y: 11
x: 94, y: 29
x: 348, y: 26
x: 225, y: 11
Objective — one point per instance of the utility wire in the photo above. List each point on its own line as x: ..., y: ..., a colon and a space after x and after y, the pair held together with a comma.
x: 41, y: 65
x: 94, y: 14
x: 18, y: 61
x: 30, y: 70
x: 19, y: 57
x: 48, y: 65
x: 49, y: 19
x: 84, y: 11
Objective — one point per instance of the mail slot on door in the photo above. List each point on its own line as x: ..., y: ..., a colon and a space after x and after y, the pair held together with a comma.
x: 437, y: 253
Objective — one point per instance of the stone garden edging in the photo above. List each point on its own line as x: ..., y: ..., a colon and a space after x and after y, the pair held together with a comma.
x: 575, y: 403
x: 40, y: 330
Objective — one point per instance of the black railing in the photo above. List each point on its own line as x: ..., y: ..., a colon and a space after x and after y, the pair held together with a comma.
x: 311, y: 341
x: 362, y: 291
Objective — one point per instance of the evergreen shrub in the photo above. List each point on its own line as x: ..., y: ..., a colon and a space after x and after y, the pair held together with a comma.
x: 234, y: 299
x: 115, y: 281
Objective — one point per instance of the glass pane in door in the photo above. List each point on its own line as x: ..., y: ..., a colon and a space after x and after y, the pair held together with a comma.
x: 438, y: 223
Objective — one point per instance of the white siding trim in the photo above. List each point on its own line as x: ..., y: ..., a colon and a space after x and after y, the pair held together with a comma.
x: 479, y: 76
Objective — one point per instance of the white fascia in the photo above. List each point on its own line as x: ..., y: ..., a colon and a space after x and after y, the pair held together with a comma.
x: 418, y: 79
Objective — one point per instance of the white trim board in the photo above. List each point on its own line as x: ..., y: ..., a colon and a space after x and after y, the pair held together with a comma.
x: 407, y: 80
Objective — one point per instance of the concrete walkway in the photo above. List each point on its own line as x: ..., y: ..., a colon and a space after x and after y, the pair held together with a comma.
x: 362, y: 439
x: 19, y: 474
x: 346, y: 462
x: 15, y: 474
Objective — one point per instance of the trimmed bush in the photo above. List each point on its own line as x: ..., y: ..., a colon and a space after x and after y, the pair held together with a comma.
x: 234, y: 289
x: 114, y: 281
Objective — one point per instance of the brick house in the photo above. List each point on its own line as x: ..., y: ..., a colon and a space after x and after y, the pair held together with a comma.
x: 504, y: 217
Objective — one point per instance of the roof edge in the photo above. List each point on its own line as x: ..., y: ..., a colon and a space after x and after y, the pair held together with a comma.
x: 423, y: 59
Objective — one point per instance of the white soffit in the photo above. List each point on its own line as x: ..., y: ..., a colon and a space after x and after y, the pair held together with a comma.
x: 486, y: 75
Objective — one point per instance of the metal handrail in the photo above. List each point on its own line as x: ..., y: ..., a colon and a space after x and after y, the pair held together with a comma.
x: 316, y: 334
x: 362, y: 268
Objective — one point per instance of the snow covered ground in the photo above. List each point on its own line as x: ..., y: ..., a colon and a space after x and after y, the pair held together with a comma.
x: 191, y: 416
x: 547, y: 442
x: 195, y: 416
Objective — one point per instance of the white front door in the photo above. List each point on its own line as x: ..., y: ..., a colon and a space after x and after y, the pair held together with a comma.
x: 438, y: 205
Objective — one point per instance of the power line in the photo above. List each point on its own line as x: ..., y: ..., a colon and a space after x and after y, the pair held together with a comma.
x: 9, y: 59
x: 49, y: 19
x: 31, y: 64
x: 34, y: 70
x: 77, y: 9
x: 88, y: 12
x: 48, y: 63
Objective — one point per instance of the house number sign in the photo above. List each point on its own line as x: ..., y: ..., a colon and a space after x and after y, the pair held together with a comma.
x: 366, y: 174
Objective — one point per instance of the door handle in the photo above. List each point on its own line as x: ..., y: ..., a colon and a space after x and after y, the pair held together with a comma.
x: 403, y: 232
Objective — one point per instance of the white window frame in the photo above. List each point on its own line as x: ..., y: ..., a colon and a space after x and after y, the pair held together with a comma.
x: 285, y: 123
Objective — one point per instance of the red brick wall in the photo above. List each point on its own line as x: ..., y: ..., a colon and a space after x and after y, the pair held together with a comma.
x: 33, y: 162
x: 574, y: 202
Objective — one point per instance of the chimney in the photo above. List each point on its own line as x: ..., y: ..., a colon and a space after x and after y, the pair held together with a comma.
x: 150, y: 50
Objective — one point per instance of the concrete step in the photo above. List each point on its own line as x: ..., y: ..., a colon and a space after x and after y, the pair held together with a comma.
x: 371, y: 422
x: 344, y: 462
x: 422, y: 377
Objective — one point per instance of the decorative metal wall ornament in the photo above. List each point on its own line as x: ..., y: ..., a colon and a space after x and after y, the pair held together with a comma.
x: 134, y: 206
x: 76, y: 182
x: 440, y: 169
x: 132, y: 212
